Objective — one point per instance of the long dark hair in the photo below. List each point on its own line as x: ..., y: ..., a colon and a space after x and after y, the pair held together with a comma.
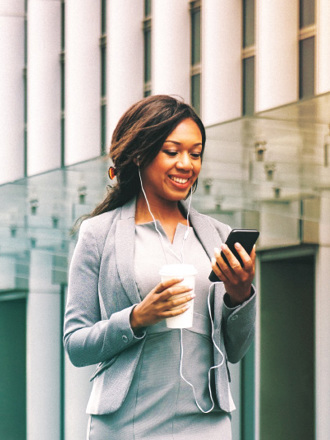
x: 140, y: 133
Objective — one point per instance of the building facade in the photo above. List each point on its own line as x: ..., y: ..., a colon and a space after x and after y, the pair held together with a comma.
x: 258, y: 73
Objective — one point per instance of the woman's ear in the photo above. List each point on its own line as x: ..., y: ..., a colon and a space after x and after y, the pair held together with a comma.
x: 136, y: 160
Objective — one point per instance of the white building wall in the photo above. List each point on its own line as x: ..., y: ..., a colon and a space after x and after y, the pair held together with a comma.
x: 221, y: 60
x: 44, y: 86
x: 82, y: 80
x: 11, y: 90
x: 171, y: 48
x: 322, y: 323
x: 323, y: 47
x: 124, y: 58
x: 276, y: 53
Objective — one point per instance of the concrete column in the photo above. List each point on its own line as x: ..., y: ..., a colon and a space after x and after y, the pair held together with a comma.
x: 276, y: 53
x: 221, y: 60
x: 171, y: 48
x: 7, y: 272
x: 82, y: 80
x: 44, y: 85
x: 11, y: 90
x: 124, y: 58
x: 322, y: 323
x: 43, y: 350
x: 322, y: 70
x: 77, y: 391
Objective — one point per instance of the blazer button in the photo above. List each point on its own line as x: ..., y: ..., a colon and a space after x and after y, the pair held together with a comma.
x: 233, y: 318
x: 125, y: 338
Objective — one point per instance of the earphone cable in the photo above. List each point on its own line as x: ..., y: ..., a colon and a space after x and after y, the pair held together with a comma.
x: 208, y: 302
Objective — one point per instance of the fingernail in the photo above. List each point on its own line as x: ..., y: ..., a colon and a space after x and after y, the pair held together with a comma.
x: 213, y: 260
x: 223, y: 246
x: 217, y: 251
x: 237, y: 246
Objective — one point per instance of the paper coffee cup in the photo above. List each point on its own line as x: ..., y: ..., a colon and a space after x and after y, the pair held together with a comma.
x: 188, y: 273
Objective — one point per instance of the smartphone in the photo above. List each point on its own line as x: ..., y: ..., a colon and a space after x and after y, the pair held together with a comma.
x: 246, y: 237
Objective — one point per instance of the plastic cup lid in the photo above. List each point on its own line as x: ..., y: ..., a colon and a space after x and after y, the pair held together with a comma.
x: 177, y: 270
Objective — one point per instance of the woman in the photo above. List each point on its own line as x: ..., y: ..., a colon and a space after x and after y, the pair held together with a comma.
x: 153, y: 382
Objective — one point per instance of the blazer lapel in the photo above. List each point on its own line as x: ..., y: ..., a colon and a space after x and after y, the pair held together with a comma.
x: 210, y: 239
x: 205, y: 231
x: 124, y: 242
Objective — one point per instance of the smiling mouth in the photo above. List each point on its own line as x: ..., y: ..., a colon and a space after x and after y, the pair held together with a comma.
x: 179, y: 180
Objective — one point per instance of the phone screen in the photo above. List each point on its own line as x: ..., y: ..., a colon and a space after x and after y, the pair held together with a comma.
x: 246, y: 237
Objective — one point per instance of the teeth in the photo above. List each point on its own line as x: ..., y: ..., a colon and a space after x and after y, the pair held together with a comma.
x: 179, y: 180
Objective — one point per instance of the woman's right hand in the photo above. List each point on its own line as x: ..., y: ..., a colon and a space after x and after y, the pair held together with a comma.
x: 158, y: 304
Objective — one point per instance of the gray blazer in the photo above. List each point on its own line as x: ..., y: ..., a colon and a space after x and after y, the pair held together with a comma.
x: 102, y: 293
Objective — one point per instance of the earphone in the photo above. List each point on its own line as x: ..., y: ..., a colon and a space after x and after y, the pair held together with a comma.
x: 208, y: 301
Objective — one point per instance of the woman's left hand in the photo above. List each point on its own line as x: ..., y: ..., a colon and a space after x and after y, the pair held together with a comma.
x: 236, y: 279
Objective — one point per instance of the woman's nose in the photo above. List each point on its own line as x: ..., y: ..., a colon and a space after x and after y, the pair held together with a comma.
x: 184, y: 162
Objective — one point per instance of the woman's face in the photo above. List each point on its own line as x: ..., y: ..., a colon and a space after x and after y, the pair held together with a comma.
x: 176, y: 167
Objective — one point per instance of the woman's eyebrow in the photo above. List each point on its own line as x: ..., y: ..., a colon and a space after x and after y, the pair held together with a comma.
x: 179, y: 143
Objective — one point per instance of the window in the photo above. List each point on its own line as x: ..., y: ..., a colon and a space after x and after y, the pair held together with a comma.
x: 307, y: 35
x: 248, y: 57
x: 248, y: 85
x: 147, y: 48
x: 195, y: 71
x: 103, y: 48
x: 306, y: 13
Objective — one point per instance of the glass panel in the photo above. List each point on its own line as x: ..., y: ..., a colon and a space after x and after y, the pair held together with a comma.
x: 25, y: 34
x: 248, y: 23
x: 103, y: 70
x: 25, y: 122
x: 248, y: 86
x: 63, y: 25
x: 306, y: 13
x: 147, y: 93
x: 147, y: 8
x: 103, y: 129
x: 196, y: 92
x: 103, y: 16
x: 147, y: 55
x: 195, y: 36
x: 233, y: 186
x: 62, y: 140
x: 62, y: 84
x: 306, y: 67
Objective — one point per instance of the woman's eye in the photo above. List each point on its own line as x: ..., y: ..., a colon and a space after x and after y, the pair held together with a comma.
x: 170, y: 153
x: 196, y: 155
